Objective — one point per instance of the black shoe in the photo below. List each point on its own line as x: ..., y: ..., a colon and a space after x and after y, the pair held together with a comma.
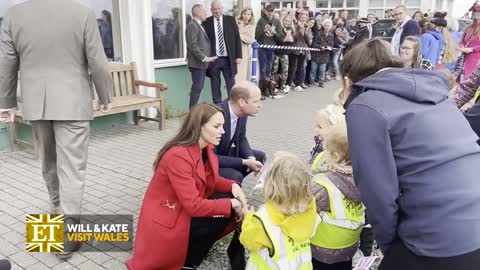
x: 320, y: 84
x: 5, y: 265
x: 69, y: 249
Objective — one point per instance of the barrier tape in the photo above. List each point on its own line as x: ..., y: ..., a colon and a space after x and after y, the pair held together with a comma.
x: 290, y: 48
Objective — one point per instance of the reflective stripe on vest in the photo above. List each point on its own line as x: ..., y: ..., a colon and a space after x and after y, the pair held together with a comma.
x: 316, y: 161
x: 286, y: 254
x: 341, y: 227
x: 477, y: 95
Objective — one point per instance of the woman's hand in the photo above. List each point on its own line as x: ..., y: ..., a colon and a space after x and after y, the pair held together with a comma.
x: 466, y: 50
x: 238, y: 194
x: 238, y: 209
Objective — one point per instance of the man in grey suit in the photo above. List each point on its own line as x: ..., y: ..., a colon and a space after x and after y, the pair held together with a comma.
x: 54, y: 60
x: 198, y: 52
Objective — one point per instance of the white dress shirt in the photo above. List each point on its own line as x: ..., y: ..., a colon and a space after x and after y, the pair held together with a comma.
x: 233, y: 121
x: 216, y: 36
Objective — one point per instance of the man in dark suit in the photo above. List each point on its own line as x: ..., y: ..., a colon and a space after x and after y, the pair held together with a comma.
x: 406, y: 26
x: 235, y: 156
x: 198, y: 52
x: 226, y: 45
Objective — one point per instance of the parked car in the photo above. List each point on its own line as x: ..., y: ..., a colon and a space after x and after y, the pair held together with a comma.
x: 384, y: 28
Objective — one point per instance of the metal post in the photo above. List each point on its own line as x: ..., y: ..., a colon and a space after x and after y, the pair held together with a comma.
x: 254, y: 62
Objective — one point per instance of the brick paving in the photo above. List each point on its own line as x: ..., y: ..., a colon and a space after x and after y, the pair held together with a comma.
x: 119, y: 170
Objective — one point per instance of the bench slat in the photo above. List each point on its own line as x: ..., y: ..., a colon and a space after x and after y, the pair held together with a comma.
x: 123, y: 84
x: 129, y: 83
x: 116, y: 85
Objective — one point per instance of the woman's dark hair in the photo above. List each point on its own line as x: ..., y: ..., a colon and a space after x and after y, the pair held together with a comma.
x: 191, y: 128
x: 440, y: 15
x: 108, y: 16
x: 373, y: 55
x: 415, y: 14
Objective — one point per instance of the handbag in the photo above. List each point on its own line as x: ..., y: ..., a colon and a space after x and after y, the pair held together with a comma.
x: 236, y: 252
x: 460, y: 64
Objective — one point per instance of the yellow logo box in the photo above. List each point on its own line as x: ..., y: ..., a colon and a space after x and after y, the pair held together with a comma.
x: 100, y: 233
x: 44, y: 233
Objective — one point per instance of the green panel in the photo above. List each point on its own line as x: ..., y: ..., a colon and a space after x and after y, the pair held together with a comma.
x: 4, y: 136
x: 24, y: 132
x: 179, y: 82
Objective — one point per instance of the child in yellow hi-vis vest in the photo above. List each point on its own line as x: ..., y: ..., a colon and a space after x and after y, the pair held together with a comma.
x: 278, y: 234
x: 325, y: 119
x: 338, y: 204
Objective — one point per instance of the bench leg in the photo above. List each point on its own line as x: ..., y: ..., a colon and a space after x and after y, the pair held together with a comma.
x: 136, y: 114
x: 162, y: 123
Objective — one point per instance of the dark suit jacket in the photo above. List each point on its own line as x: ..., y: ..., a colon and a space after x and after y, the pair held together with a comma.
x: 231, y: 152
x: 231, y: 35
x: 198, y: 45
x: 411, y: 28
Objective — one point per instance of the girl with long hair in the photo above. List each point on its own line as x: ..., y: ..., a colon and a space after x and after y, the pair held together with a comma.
x: 246, y: 28
x: 411, y: 54
x: 470, y: 45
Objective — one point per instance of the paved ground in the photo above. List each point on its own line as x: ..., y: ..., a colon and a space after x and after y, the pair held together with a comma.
x: 119, y: 170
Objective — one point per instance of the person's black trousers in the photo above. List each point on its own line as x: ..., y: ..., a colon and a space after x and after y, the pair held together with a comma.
x: 198, y: 79
x: 399, y: 257
x: 222, y: 64
x: 237, y: 174
x: 204, y: 232
x: 317, y: 265
x: 296, y: 69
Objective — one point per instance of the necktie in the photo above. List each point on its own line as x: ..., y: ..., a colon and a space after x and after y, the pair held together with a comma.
x: 221, y: 42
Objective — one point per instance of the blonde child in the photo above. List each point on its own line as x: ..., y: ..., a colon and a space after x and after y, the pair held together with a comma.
x: 326, y: 118
x: 338, y: 204
x: 278, y: 234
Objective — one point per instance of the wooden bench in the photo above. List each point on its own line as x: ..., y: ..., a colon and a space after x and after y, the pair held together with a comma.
x: 126, y: 96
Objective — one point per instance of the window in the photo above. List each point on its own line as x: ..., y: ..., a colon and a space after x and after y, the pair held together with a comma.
x: 353, y: 3
x: 376, y: 3
x: 107, y: 19
x: 109, y: 26
x: 377, y: 12
x: 412, y: 3
x: 337, y: 3
x: 167, y: 29
x: 169, y: 18
x: 322, y: 3
x: 393, y: 3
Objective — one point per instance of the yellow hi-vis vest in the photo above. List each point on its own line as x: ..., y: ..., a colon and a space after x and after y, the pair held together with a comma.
x: 286, y: 253
x: 341, y: 227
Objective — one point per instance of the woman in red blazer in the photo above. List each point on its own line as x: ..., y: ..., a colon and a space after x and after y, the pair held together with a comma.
x: 179, y: 220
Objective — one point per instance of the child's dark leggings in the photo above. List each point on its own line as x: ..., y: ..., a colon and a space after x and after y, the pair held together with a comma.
x: 317, y: 265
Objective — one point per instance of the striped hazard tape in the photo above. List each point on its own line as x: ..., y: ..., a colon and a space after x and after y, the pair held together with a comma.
x: 293, y: 48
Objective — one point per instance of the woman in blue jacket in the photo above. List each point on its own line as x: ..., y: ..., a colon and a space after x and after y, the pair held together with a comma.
x: 433, y: 42
x: 414, y: 158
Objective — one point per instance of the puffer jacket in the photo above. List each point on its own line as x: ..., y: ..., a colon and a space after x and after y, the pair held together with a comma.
x: 341, y: 177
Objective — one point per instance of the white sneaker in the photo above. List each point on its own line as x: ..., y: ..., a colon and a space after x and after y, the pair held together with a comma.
x: 286, y: 89
x: 298, y: 89
x: 278, y: 96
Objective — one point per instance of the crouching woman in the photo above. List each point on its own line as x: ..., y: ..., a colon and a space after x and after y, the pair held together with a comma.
x: 180, y: 218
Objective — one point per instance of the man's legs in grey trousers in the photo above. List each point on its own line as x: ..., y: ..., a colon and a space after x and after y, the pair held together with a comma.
x: 63, y: 149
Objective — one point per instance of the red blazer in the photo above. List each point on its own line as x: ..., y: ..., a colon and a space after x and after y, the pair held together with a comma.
x: 178, y: 191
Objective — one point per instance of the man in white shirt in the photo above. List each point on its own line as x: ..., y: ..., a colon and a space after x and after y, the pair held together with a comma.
x: 222, y: 30
x: 406, y: 26
x: 235, y: 156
